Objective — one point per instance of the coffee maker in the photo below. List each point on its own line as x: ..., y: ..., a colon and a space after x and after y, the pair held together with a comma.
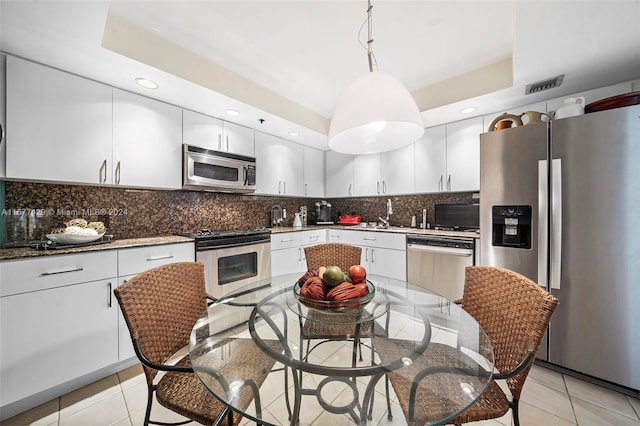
x: 323, y: 213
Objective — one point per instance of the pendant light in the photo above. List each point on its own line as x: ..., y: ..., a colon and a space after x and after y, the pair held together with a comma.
x: 375, y: 113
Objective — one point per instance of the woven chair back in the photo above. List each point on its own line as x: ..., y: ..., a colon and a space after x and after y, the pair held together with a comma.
x: 332, y: 254
x: 161, y: 306
x: 514, y: 312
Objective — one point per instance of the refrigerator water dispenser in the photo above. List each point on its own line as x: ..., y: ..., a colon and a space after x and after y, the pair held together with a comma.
x: 512, y: 226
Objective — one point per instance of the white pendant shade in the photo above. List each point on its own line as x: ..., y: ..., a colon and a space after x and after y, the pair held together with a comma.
x: 376, y: 113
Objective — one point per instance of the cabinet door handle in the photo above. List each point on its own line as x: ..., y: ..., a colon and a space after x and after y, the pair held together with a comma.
x: 449, y: 183
x: 110, y: 300
x: 44, y: 274
x: 166, y: 256
x: 349, y: 190
x: 335, y: 237
x: 306, y: 189
x: 378, y: 187
x: 299, y: 255
x: 366, y: 254
x: 103, y: 172
x: 284, y: 187
x: 384, y: 186
x: 314, y: 238
x: 279, y: 187
x: 286, y: 240
x: 372, y: 257
x: 369, y: 238
x: 219, y: 141
x: 227, y: 143
x: 118, y: 174
x: 440, y: 184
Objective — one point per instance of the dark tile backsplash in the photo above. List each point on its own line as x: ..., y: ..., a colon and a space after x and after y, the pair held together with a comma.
x: 404, y: 206
x: 33, y: 209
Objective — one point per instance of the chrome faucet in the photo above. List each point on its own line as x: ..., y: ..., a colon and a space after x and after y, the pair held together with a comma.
x: 389, y: 212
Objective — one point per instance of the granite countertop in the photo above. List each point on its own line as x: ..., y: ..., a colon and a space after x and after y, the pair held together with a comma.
x: 26, y: 252
x: 393, y: 229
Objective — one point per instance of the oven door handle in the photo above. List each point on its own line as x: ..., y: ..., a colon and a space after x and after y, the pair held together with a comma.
x: 201, y: 249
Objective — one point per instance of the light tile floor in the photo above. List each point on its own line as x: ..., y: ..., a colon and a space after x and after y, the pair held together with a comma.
x: 548, y: 399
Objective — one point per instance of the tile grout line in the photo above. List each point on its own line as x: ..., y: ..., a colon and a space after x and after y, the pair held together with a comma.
x: 633, y: 407
x: 573, y: 410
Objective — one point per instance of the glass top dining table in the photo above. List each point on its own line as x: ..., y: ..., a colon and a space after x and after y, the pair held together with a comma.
x: 324, y: 366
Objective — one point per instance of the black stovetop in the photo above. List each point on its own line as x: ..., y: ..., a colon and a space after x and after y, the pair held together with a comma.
x: 207, y: 239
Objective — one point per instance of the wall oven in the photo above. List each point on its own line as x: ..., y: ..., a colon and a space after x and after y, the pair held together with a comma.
x: 217, y: 171
x: 233, y: 259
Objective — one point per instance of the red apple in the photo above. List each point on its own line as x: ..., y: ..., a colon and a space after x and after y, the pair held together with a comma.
x: 357, y: 274
x: 362, y: 288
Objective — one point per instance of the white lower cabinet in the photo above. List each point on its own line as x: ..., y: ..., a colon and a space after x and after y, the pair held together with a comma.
x: 135, y: 260
x: 60, y: 329
x: 383, y: 253
x: 59, y: 318
x: 287, y: 250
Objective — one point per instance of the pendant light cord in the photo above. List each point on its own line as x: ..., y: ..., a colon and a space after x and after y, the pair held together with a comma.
x: 373, y: 63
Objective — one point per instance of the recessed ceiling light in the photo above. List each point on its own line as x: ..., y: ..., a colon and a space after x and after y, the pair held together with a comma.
x: 147, y: 84
x: 467, y: 110
x: 294, y: 134
x: 231, y: 112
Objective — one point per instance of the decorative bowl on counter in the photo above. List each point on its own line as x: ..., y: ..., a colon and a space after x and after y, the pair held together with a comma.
x: 336, y: 305
x: 73, y: 238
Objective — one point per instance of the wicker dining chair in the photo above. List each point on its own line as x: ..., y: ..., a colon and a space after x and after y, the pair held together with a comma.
x: 318, y: 325
x: 514, y: 312
x: 160, y: 307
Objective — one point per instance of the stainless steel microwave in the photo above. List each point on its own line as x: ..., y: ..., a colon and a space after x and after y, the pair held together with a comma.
x: 211, y: 170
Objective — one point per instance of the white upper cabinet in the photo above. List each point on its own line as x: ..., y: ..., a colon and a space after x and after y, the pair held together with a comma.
x: 397, y: 170
x: 431, y: 160
x: 447, y: 158
x: 387, y: 173
x: 58, y: 125
x: 212, y: 133
x: 147, y: 148
x: 463, y: 155
x: 366, y: 175
x: 313, y: 163
x: 3, y: 122
x: 339, y: 172
x: 238, y: 139
x: 201, y: 130
x: 278, y: 166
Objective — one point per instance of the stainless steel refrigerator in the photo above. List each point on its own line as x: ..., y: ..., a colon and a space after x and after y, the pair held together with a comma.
x: 560, y: 203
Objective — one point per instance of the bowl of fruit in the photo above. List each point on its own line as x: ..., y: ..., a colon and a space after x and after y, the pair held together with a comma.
x: 330, y: 288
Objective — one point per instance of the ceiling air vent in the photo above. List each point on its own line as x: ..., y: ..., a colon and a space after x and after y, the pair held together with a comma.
x: 544, y: 85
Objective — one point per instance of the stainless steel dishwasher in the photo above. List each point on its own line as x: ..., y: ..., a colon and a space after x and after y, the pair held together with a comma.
x: 437, y: 263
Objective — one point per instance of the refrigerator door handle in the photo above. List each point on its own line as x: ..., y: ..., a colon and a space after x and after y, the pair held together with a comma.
x: 543, y: 222
x: 556, y: 224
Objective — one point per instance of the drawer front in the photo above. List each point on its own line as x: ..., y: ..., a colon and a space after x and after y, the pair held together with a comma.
x: 375, y: 239
x: 285, y: 240
x: 25, y: 275
x: 309, y: 238
x: 334, y: 236
x: 140, y: 259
